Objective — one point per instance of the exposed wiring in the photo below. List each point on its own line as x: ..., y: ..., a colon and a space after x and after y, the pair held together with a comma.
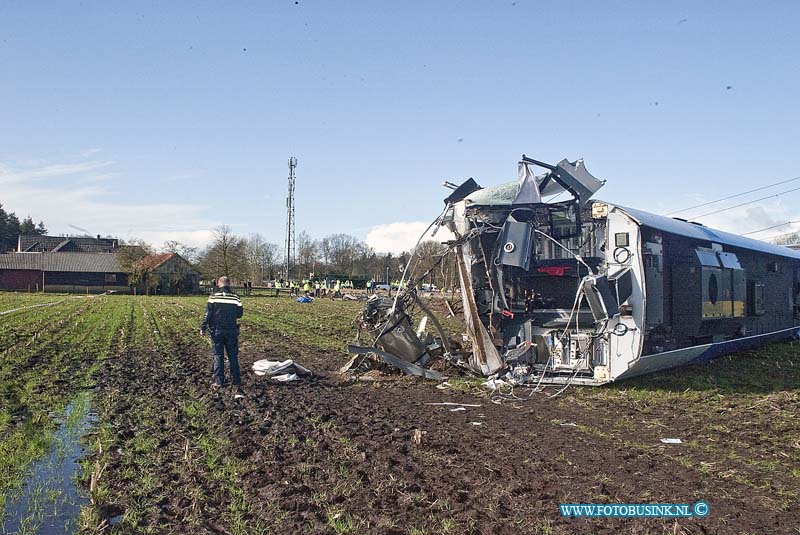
x: 414, y: 253
x: 575, y: 305
x: 577, y: 256
x: 406, y: 269
x: 571, y: 378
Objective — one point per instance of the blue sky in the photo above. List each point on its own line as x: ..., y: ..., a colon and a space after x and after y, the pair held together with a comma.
x: 165, y: 120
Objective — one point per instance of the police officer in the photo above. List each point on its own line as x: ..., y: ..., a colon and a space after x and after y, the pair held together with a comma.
x: 222, y: 310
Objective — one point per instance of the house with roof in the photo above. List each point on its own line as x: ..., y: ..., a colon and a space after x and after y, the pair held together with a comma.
x: 62, y: 272
x: 35, y: 243
x: 91, y: 265
x: 168, y: 273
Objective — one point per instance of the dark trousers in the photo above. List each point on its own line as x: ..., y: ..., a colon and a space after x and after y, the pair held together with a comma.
x: 222, y: 342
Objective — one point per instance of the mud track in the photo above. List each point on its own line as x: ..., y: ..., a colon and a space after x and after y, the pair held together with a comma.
x: 330, y: 456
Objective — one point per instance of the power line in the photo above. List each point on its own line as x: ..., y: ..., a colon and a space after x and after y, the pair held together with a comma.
x: 734, y: 196
x: 746, y: 203
x: 769, y: 228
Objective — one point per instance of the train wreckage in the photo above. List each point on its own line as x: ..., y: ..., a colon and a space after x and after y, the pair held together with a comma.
x: 584, y: 291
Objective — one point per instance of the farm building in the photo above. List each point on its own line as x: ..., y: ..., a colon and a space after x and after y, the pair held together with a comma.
x: 62, y: 244
x: 86, y: 264
x: 62, y: 272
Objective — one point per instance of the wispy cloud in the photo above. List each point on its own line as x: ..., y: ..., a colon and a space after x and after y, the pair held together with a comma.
x: 402, y: 236
x: 90, y: 152
x: 10, y: 175
x: 72, y: 202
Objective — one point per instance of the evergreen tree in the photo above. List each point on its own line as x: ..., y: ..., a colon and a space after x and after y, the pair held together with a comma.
x: 11, y: 228
x: 27, y: 227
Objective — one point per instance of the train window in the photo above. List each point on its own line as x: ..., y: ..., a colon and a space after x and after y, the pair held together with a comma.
x: 729, y: 261
x: 707, y: 257
x: 773, y: 267
x: 713, y: 289
x: 621, y: 239
x: 565, y: 220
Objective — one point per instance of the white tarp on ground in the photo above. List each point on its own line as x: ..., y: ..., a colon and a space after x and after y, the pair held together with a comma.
x: 284, y: 371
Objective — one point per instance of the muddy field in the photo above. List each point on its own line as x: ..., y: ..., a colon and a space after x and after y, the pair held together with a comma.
x: 328, y: 454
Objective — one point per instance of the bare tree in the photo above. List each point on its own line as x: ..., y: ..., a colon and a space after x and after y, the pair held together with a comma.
x: 225, y: 255
x: 189, y: 253
x: 341, y: 252
x: 790, y: 238
x: 307, y: 254
x: 261, y: 256
x: 434, y: 262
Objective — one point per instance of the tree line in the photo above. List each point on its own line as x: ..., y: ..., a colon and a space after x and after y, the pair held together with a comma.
x: 791, y: 238
x: 340, y: 256
x: 11, y: 228
x: 253, y: 258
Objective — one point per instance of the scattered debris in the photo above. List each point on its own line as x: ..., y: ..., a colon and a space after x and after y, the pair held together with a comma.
x: 458, y: 409
x: 285, y: 377
x: 671, y: 441
x: 405, y: 366
x: 417, y: 436
x: 395, y: 341
x: 476, y: 423
x: 451, y: 404
x: 305, y: 299
x: 569, y: 424
x: 283, y: 371
x: 494, y: 384
x: 370, y: 376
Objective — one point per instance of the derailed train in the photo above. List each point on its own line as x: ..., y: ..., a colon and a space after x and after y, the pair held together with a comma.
x: 591, y: 292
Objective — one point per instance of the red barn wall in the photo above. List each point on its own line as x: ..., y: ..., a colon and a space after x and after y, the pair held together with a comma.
x: 20, y: 279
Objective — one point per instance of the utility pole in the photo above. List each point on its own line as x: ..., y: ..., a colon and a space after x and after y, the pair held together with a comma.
x: 290, y: 230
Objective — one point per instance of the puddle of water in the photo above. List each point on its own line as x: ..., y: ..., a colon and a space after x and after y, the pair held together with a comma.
x: 50, y: 500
